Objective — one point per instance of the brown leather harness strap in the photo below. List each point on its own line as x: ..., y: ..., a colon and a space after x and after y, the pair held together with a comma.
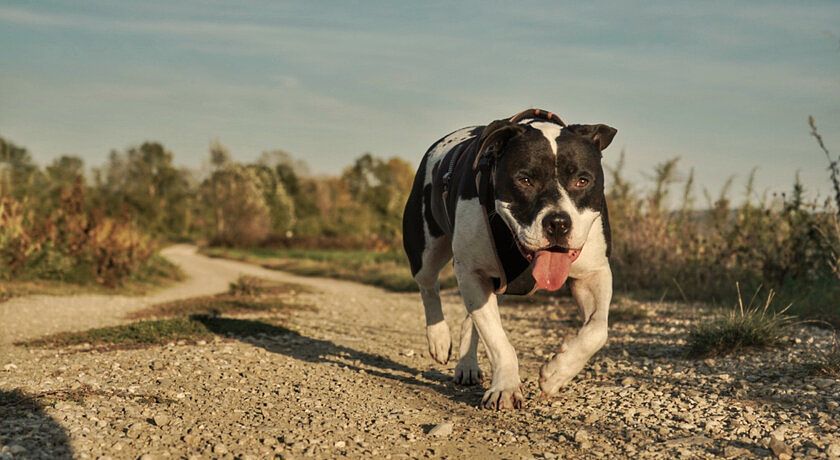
x: 537, y: 114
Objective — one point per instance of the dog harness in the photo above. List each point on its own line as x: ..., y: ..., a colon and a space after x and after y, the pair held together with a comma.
x: 477, y: 158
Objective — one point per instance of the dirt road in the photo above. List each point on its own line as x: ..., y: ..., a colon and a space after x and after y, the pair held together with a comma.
x: 353, y: 379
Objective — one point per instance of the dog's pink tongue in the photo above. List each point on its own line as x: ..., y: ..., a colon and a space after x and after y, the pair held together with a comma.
x: 551, y: 269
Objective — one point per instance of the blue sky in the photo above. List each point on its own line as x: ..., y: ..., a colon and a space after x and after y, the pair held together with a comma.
x: 727, y: 86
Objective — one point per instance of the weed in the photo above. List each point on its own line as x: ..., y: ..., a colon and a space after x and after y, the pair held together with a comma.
x: 754, y: 325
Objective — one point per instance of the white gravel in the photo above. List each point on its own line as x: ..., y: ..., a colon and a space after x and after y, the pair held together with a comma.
x: 353, y: 379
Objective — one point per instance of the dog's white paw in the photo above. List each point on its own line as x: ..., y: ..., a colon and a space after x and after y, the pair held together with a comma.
x: 440, y: 344
x: 510, y: 398
x: 468, y: 373
x: 556, y: 373
x: 505, y: 392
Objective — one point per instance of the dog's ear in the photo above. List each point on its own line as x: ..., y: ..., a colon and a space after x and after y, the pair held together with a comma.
x: 600, y: 135
x: 495, y: 135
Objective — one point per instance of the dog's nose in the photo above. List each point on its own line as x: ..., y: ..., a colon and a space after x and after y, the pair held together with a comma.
x: 557, y: 224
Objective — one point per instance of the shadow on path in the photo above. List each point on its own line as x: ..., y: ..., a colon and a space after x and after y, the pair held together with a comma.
x: 26, y: 431
x: 293, y: 344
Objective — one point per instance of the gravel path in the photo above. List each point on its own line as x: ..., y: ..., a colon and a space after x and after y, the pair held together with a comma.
x: 29, y: 317
x: 353, y: 379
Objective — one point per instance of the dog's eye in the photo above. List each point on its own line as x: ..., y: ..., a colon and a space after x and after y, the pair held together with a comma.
x: 581, y: 182
x: 526, y: 181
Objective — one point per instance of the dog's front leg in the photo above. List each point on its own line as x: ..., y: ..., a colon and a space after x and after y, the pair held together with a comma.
x: 505, y: 389
x: 592, y: 294
x: 467, y: 371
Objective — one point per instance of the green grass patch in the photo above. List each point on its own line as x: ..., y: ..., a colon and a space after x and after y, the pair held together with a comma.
x: 156, y: 332
x: 753, y: 326
x: 143, y: 333
x: 192, y: 319
x: 155, y: 274
x: 388, y: 270
x: 246, y: 295
x: 259, y: 287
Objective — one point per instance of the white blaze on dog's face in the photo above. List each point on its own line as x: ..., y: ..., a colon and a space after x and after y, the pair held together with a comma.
x: 549, y: 184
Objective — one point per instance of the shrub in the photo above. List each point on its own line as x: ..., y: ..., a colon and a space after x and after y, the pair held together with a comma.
x: 71, y: 243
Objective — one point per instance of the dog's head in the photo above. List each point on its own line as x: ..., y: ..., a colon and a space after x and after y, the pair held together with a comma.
x: 549, y: 182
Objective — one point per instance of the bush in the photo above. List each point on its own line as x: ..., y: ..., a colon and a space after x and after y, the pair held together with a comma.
x: 70, y: 244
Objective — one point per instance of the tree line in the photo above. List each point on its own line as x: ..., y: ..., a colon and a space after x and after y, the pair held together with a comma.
x: 140, y: 197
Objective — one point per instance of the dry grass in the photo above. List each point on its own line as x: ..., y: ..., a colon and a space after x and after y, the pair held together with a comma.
x: 751, y: 326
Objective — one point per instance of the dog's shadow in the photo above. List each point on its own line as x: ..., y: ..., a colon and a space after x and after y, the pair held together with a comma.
x: 287, y: 342
x: 27, y: 431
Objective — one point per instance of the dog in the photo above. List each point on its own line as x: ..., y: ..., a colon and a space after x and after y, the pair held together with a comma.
x: 519, y: 206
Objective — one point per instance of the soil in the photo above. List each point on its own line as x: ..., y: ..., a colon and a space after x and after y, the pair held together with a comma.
x: 352, y: 378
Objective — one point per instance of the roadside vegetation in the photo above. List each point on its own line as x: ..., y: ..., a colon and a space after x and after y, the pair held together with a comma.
x: 156, y: 273
x: 673, y: 249
x: 673, y: 240
x: 191, y: 320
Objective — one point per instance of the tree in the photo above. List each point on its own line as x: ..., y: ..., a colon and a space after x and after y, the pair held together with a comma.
x: 66, y: 169
x: 219, y: 154
x: 235, y: 200
x: 19, y: 176
x: 280, y: 204
x: 382, y: 186
x: 144, y: 182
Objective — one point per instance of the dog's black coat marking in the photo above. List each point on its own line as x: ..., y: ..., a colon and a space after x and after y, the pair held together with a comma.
x: 413, y: 237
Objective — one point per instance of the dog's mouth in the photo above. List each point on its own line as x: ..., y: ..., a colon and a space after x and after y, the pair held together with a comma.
x: 550, y: 265
x: 529, y: 254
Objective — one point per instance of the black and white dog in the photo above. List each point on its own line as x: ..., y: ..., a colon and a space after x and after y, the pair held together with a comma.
x: 519, y: 204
